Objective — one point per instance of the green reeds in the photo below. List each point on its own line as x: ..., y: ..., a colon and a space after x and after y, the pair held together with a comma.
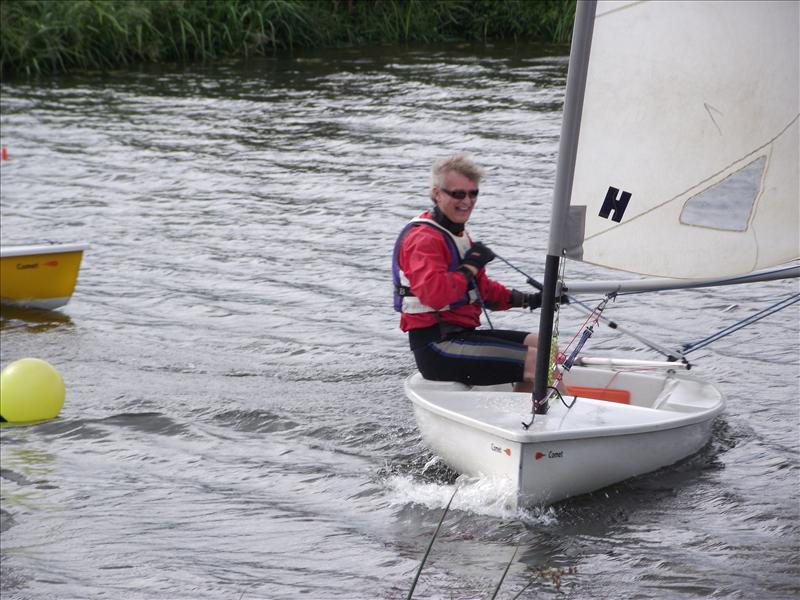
x: 47, y: 36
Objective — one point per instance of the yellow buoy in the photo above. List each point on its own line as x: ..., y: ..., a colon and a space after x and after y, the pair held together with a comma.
x: 30, y: 390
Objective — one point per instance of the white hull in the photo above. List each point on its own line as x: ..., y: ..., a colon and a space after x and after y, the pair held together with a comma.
x: 567, y: 452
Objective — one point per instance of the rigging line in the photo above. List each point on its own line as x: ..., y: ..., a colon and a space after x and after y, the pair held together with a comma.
x: 530, y: 280
x: 754, y: 317
x: 562, y: 269
x: 483, y: 306
x: 757, y: 316
x: 671, y: 354
x: 585, y: 324
x: 585, y: 331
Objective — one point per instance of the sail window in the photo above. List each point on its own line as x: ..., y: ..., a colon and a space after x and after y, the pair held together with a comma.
x: 727, y: 204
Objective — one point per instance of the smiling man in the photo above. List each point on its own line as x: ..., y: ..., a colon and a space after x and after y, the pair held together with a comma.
x: 441, y: 286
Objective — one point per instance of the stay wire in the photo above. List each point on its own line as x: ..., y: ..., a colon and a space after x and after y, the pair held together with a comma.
x: 673, y: 355
x: 530, y: 280
x: 483, y: 306
x: 757, y: 316
x: 573, y: 301
x: 585, y: 331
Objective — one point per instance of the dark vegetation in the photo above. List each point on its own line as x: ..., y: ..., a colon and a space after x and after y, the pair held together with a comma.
x: 50, y: 36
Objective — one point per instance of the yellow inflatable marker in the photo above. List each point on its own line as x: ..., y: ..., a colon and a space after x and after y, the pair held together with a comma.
x: 30, y: 390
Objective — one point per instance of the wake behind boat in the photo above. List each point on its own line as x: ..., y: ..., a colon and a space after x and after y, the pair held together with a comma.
x: 39, y: 276
x: 665, y: 169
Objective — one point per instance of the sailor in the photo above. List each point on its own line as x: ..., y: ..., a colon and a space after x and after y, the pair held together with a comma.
x: 440, y: 287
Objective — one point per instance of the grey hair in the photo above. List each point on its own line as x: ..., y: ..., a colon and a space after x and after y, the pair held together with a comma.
x: 461, y: 164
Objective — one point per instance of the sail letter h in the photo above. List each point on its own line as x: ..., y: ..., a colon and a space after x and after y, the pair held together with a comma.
x: 615, y: 204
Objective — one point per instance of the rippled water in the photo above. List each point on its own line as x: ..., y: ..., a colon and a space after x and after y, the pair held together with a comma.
x: 235, y: 425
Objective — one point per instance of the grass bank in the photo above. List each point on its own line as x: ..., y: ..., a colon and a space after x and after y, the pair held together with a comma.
x: 50, y: 36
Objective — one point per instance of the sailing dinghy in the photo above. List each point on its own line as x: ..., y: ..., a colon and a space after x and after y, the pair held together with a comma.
x: 678, y: 160
x: 39, y: 276
x: 642, y: 422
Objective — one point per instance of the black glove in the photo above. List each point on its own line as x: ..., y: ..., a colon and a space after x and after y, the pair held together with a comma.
x: 532, y: 301
x: 529, y: 301
x: 478, y: 256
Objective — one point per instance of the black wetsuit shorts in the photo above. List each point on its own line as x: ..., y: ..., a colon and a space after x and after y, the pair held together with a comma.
x: 470, y: 356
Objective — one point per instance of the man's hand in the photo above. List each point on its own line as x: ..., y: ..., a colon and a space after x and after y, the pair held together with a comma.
x: 532, y: 301
x: 523, y: 300
x: 478, y: 256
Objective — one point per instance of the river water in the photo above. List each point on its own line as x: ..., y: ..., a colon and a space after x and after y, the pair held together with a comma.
x: 235, y: 424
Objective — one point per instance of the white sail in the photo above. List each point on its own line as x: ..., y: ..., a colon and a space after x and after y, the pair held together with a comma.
x: 691, y: 116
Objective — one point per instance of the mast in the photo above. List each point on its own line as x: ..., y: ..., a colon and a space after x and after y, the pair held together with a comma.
x: 567, y: 150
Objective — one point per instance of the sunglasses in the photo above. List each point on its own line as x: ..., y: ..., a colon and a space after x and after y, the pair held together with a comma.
x: 461, y: 194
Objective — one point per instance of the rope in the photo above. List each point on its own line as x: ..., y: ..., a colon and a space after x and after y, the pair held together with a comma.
x: 483, y: 306
x: 785, y: 303
x: 573, y: 301
x: 585, y: 331
x: 673, y: 355
x: 669, y: 353
x: 530, y: 280
x: 553, y: 376
x: 554, y: 392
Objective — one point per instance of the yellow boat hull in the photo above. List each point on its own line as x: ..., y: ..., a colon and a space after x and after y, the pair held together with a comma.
x: 39, y: 276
